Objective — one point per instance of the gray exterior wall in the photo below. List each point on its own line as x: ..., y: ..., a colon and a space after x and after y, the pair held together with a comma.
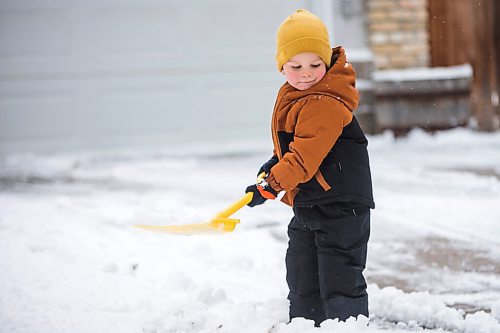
x: 114, y: 74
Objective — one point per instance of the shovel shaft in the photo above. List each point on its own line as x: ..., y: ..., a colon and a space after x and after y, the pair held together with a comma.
x: 237, y: 205
x: 219, y: 224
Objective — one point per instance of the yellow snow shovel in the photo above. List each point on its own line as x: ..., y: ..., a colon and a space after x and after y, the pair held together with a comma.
x: 220, y: 223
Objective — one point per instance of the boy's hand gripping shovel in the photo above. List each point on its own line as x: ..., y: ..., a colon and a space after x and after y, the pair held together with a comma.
x: 220, y: 223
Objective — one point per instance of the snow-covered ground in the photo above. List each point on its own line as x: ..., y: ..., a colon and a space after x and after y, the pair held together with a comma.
x: 70, y: 260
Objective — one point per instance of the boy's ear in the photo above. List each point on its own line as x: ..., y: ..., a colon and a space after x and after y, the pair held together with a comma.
x: 283, y: 71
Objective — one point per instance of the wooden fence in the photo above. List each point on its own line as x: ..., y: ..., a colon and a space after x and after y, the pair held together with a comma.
x: 468, y: 31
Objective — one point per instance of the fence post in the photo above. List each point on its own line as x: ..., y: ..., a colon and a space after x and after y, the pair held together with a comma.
x: 484, y: 85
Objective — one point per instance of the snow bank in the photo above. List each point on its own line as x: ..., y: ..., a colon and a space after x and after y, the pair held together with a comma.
x: 421, y: 309
x: 303, y: 325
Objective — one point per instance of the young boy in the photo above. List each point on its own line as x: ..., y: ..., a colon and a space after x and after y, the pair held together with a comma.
x: 320, y: 160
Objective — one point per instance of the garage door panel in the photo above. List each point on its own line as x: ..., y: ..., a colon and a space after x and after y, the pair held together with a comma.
x: 140, y: 112
x: 139, y: 29
x: 34, y: 33
x: 35, y: 117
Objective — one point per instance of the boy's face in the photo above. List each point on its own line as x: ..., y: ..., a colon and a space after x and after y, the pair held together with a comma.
x: 304, y: 70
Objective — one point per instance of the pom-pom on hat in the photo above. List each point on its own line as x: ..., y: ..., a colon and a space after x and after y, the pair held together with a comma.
x: 302, y: 32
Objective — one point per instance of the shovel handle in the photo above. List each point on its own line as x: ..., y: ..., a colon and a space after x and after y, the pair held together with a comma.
x: 237, y: 205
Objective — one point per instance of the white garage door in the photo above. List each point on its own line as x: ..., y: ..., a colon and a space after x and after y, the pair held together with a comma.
x: 94, y: 74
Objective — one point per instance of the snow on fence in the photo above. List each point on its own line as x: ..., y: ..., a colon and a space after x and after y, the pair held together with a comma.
x: 431, y: 98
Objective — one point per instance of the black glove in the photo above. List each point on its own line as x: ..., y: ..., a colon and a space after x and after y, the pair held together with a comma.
x: 257, y: 198
x: 261, y: 192
x: 266, y: 167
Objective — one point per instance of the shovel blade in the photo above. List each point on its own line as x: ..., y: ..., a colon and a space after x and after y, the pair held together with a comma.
x: 221, y: 223
x: 215, y: 226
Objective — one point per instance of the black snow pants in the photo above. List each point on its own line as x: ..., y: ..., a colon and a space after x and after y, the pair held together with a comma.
x: 325, y: 260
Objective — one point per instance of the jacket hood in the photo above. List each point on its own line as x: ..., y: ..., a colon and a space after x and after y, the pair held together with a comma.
x: 339, y: 82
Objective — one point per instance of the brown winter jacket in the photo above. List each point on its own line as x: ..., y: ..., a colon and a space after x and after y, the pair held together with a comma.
x: 307, y: 126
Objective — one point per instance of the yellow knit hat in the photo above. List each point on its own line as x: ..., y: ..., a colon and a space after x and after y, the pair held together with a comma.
x: 302, y: 32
